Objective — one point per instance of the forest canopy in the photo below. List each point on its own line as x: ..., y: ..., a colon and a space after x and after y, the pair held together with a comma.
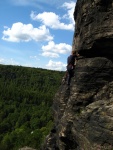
x: 26, y: 96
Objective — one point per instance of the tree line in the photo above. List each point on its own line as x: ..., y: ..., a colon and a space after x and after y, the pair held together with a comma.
x: 26, y: 96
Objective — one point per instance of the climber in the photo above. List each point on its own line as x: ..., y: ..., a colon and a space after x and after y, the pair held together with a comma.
x: 71, y: 62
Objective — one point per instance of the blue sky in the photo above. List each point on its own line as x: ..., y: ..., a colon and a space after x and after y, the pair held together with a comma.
x: 36, y: 33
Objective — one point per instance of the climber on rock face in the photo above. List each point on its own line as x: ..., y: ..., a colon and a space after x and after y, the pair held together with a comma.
x: 71, y: 62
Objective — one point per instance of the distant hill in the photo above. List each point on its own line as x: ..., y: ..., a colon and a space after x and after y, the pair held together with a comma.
x: 26, y: 96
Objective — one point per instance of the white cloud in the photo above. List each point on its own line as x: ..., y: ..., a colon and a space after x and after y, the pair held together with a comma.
x: 52, y: 65
x: 53, y: 50
x: 26, y: 32
x: 53, y: 21
x: 47, y: 18
x: 50, y: 54
x: 70, y: 10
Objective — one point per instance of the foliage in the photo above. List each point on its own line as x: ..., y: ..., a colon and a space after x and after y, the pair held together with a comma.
x: 26, y: 96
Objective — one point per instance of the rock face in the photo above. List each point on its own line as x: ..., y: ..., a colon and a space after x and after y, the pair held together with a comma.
x: 94, y: 26
x: 83, y: 113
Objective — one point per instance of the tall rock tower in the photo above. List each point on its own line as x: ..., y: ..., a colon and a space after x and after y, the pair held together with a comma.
x: 94, y: 27
x: 83, y: 113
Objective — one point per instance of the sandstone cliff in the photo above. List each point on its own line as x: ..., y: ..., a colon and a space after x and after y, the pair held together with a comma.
x: 83, y: 113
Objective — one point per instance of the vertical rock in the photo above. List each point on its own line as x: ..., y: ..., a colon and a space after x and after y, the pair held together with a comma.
x: 94, y: 27
x: 83, y: 113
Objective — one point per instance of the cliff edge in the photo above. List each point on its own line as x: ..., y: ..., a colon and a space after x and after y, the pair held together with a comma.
x: 83, y: 113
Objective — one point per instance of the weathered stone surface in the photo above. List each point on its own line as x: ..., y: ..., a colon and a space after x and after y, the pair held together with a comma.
x: 83, y: 113
x: 94, y: 27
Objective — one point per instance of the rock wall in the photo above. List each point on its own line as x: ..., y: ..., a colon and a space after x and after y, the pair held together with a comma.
x: 94, y: 27
x: 83, y: 113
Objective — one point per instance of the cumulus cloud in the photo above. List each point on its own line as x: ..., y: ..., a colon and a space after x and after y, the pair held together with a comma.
x: 55, y: 21
x: 26, y: 32
x: 50, y: 54
x: 52, y: 65
x: 70, y: 10
x: 53, y: 50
